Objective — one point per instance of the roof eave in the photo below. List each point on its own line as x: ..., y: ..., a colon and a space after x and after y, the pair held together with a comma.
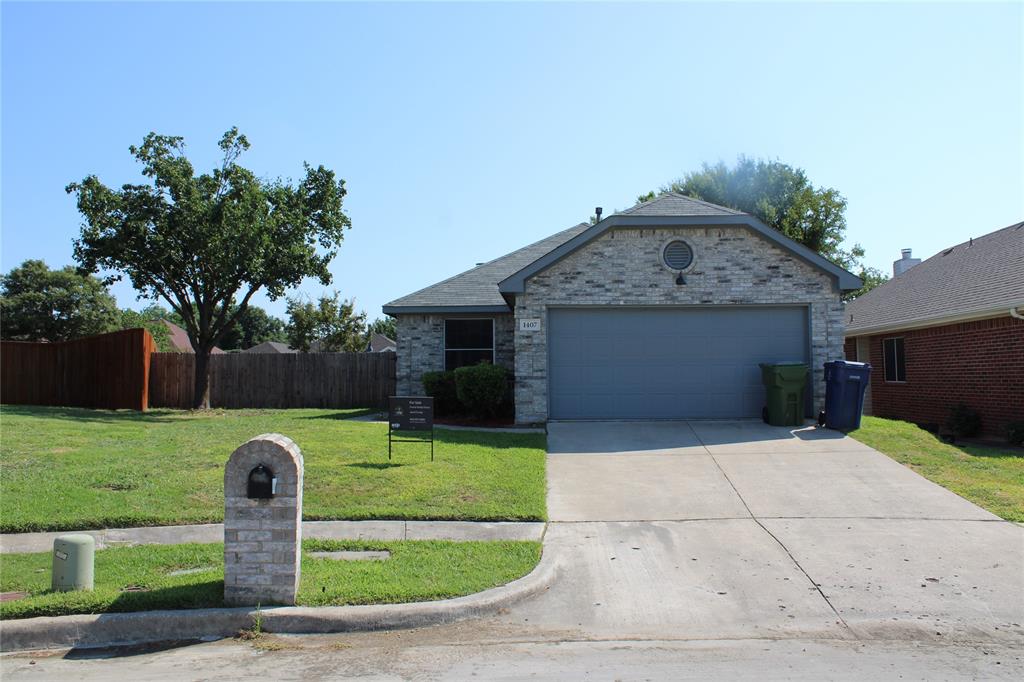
x: 986, y: 312
x: 444, y: 309
x: 516, y: 283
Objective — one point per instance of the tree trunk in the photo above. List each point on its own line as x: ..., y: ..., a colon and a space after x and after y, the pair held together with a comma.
x: 201, y: 397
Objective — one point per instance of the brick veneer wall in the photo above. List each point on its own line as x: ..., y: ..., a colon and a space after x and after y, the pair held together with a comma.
x: 262, y: 537
x: 850, y: 349
x: 732, y: 266
x: 980, y: 364
x: 420, y: 346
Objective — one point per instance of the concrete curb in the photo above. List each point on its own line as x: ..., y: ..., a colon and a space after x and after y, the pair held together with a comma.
x: 115, y: 629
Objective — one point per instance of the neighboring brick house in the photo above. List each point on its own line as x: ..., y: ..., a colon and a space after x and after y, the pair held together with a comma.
x: 946, y: 331
x: 663, y: 310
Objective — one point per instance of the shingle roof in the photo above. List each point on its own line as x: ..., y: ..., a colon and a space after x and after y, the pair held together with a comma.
x: 674, y: 204
x: 379, y: 343
x: 986, y: 275
x: 479, y: 287
x: 180, y: 342
x: 270, y: 347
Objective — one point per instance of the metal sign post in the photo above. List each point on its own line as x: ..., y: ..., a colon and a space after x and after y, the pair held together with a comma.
x: 410, y: 414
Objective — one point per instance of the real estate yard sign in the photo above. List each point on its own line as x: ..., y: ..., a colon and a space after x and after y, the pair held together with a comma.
x: 410, y: 414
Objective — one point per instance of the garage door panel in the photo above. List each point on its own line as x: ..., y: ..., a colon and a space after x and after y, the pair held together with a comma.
x: 644, y: 363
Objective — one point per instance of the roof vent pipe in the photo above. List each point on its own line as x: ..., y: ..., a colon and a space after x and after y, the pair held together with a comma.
x: 598, y: 211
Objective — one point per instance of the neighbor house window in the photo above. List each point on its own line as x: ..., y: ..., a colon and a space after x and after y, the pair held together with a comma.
x: 468, y: 342
x: 895, y: 360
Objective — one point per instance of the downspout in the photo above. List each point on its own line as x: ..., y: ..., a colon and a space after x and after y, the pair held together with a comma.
x: 1014, y: 313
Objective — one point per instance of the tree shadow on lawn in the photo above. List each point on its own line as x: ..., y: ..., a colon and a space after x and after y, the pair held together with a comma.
x: 197, y: 595
x: 501, y: 440
x: 990, y: 451
x: 352, y: 413
x: 375, y: 465
x: 86, y: 414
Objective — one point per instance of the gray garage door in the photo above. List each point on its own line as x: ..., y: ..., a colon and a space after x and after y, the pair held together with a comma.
x: 644, y: 363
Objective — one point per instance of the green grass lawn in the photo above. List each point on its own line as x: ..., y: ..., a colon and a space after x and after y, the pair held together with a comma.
x: 69, y: 469
x: 137, y: 578
x: 990, y: 477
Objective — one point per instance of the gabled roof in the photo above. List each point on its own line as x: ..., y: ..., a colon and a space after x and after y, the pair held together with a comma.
x: 674, y: 204
x: 974, y: 279
x: 476, y: 290
x: 270, y: 347
x: 180, y: 341
x: 481, y: 289
x: 674, y: 210
x: 380, y: 343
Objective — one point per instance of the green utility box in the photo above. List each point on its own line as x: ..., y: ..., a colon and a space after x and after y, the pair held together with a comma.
x: 784, y: 384
x: 73, y: 557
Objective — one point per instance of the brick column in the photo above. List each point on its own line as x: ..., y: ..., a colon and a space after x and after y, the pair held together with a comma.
x: 263, y: 537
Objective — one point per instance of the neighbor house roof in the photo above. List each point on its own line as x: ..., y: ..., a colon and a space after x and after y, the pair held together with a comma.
x: 180, y: 341
x: 476, y: 290
x: 972, y: 280
x: 380, y: 343
x: 481, y: 289
x: 270, y: 347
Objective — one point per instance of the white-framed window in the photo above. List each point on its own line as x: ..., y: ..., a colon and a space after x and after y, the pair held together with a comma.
x: 894, y: 359
x: 468, y: 341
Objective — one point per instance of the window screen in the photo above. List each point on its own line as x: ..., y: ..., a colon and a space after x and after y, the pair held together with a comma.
x: 468, y: 342
x: 895, y: 360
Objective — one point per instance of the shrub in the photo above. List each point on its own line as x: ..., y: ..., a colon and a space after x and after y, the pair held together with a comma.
x: 964, y: 421
x: 1015, y: 433
x: 441, y: 387
x: 483, y: 389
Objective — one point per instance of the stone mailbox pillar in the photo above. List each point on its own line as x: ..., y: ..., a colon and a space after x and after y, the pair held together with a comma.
x: 263, y: 522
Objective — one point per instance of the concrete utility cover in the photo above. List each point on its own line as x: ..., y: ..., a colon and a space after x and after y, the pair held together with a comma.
x: 351, y: 556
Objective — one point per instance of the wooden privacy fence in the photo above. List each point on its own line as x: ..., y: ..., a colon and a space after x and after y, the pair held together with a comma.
x: 276, y: 380
x: 109, y: 371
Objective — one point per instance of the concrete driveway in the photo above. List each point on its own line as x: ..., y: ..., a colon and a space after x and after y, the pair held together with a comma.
x: 738, y: 529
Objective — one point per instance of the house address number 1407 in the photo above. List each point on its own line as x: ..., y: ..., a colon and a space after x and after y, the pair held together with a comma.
x: 529, y: 324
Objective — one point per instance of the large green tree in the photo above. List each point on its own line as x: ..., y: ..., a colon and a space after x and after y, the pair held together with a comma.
x: 203, y: 242
x: 328, y: 325
x: 40, y: 304
x: 384, y: 326
x: 152, y: 319
x: 781, y: 197
x: 252, y: 327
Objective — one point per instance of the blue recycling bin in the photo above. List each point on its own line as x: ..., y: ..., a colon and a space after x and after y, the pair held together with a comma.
x: 845, y: 383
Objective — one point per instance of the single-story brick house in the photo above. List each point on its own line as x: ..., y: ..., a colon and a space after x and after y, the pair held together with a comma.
x: 945, y: 331
x: 663, y: 310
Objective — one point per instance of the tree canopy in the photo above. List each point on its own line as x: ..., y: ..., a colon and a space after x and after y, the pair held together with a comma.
x: 328, y: 325
x: 384, y: 326
x: 204, y: 242
x: 784, y: 198
x: 40, y: 304
x: 253, y: 326
x: 152, y: 319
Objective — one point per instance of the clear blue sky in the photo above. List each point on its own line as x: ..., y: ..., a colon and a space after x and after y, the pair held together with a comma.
x: 465, y: 131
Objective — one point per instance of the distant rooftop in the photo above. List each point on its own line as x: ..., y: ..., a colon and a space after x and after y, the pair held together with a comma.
x: 974, y: 277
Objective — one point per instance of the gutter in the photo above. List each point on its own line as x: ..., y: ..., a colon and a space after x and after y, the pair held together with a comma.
x: 919, y: 323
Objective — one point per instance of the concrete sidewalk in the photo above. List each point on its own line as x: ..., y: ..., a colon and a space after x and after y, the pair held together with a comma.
x: 327, y: 530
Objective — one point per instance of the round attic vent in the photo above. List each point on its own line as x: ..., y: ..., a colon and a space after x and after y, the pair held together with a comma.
x: 677, y: 255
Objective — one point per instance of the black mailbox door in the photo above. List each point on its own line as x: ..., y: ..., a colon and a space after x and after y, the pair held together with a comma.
x: 261, y: 483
